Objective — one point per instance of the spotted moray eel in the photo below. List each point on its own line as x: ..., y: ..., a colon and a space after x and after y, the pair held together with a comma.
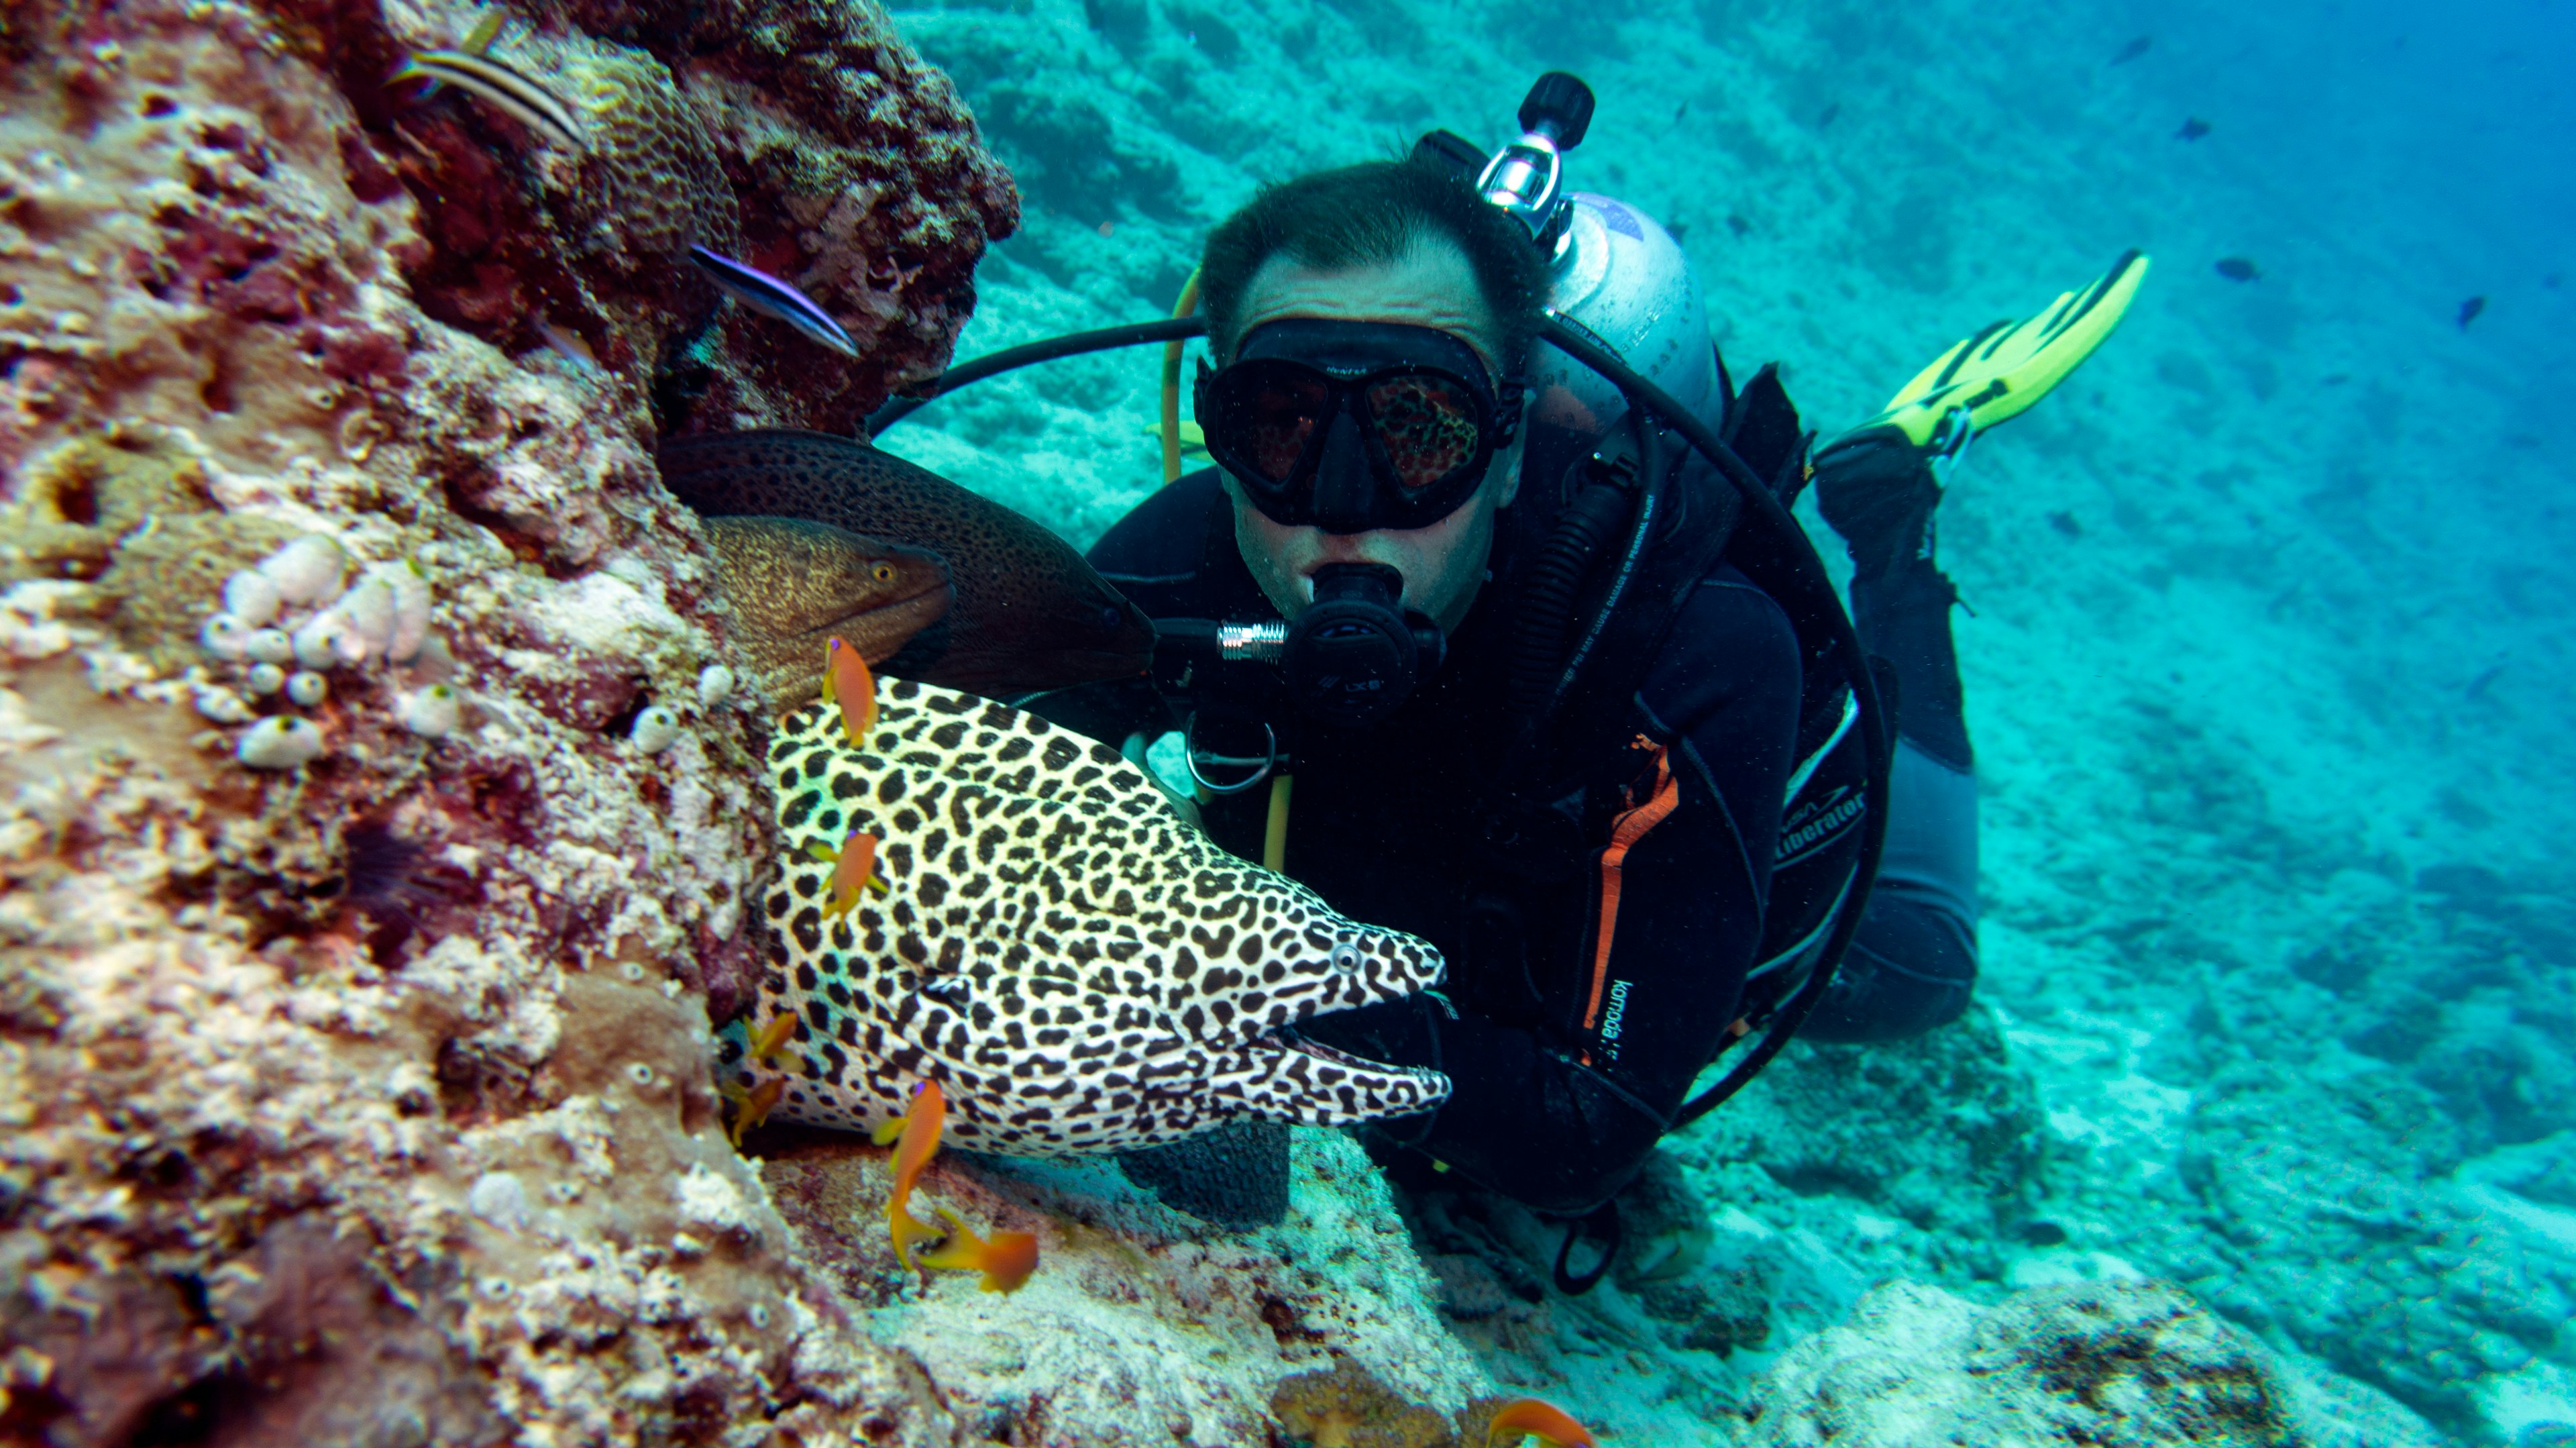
x: 1079, y: 969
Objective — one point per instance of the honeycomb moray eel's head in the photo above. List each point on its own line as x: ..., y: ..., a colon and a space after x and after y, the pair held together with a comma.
x: 1079, y: 969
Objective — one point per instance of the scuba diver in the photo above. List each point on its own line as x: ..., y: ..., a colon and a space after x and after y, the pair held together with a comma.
x: 1484, y: 645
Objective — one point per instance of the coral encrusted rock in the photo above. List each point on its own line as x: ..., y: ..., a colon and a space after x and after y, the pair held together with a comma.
x: 1142, y: 1324
x: 2117, y: 1364
x: 358, y: 944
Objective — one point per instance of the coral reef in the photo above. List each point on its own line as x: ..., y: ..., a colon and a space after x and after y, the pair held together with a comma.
x: 374, y: 831
x: 2270, y: 760
x: 2130, y: 1365
x: 1141, y: 1323
x: 1344, y: 1407
x: 351, y: 1097
x: 2399, y: 1284
x: 1941, y: 1132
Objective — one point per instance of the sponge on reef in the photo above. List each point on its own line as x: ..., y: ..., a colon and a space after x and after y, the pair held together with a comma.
x: 1343, y: 1406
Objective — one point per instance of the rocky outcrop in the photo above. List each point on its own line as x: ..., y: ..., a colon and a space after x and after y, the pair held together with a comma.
x: 2126, y: 1365
x: 1142, y: 1324
x: 375, y: 821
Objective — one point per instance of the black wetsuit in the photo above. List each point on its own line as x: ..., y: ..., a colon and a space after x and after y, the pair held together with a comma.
x: 1569, y: 1061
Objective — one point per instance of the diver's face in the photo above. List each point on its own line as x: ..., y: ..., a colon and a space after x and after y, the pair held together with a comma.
x: 1443, y: 563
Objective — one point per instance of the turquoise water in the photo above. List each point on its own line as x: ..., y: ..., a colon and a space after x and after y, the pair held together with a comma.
x: 2268, y: 655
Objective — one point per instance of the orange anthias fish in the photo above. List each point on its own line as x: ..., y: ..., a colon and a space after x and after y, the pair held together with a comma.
x: 917, y: 1135
x: 1006, y: 1261
x: 756, y: 1104
x: 854, y: 868
x: 1526, y: 1416
x: 848, y: 686
x: 771, y: 1037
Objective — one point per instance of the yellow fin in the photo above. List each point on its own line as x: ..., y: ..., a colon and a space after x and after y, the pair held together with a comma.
x: 2006, y: 366
x: 909, y: 1231
x: 485, y: 31
x: 773, y: 1035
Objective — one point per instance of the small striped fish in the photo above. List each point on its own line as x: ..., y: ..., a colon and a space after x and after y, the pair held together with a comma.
x: 477, y: 41
x: 504, y: 89
x: 775, y: 299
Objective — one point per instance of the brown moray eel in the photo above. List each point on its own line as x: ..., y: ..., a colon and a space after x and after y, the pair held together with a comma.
x: 1029, y: 614
x: 794, y: 585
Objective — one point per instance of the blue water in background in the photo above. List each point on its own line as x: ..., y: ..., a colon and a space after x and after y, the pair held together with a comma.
x: 2269, y: 663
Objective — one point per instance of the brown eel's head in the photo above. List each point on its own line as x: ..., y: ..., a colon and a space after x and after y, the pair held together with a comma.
x: 795, y: 585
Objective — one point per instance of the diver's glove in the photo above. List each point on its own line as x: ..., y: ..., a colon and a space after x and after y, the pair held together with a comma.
x: 1879, y: 483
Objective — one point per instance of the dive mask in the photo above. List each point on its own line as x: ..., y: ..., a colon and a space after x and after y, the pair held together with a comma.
x: 1355, y: 426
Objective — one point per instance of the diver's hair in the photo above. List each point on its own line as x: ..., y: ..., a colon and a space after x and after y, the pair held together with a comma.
x: 1371, y: 214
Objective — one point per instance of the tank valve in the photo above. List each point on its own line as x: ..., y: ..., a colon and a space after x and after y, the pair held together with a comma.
x: 1527, y: 177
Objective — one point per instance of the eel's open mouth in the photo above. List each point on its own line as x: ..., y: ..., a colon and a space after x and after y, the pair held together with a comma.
x: 1290, y: 1038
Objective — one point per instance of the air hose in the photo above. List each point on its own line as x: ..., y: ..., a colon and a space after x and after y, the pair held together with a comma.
x: 1072, y: 344
x: 1547, y: 590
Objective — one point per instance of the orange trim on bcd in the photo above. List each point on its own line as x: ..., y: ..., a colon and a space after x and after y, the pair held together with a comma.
x: 1625, y: 831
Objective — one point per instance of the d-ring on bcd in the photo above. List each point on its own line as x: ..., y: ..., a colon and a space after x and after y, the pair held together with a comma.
x: 1260, y: 767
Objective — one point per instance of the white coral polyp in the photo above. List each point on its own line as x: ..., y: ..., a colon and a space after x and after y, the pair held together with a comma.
x: 221, y: 705
x: 432, y: 713
x: 269, y: 646
x: 251, y: 596
x: 279, y: 742
x: 307, y: 570
x: 326, y: 639
x: 656, y: 729
x: 369, y: 609
x: 411, y: 611
x: 225, y: 636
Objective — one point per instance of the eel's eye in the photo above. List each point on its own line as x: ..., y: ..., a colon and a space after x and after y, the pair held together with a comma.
x: 1346, y: 958
x: 883, y: 573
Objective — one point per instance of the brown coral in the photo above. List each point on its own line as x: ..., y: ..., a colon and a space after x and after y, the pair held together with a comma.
x: 2132, y: 1364
x: 130, y: 511
x: 805, y: 140
x: 651, y: 183
x: 1343, y: 1406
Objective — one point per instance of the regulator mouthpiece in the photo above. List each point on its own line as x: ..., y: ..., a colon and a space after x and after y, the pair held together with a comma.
x: 1353, y: 658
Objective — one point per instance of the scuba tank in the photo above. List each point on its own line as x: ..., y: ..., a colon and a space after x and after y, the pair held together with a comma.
x: 1621, y: 277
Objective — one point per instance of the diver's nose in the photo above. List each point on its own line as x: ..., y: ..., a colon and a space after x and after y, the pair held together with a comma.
x: 1342, y: 482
